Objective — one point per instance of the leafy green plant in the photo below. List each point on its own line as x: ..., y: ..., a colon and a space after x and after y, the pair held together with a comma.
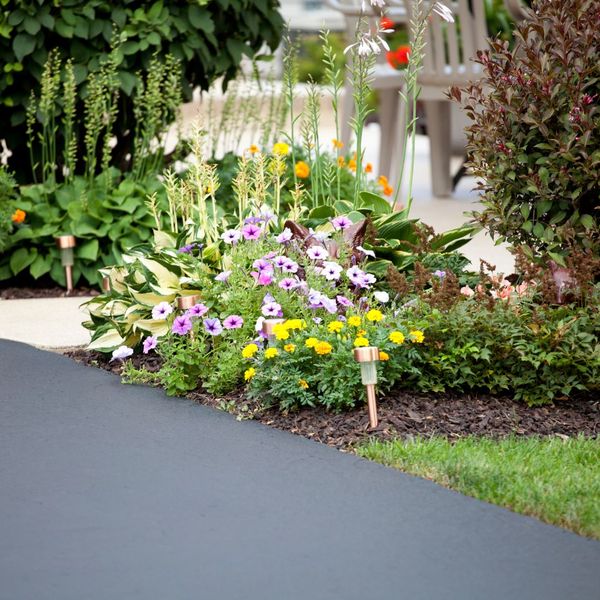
x: 208, y: 38
x: 534, y: 140
x: 8, y: 188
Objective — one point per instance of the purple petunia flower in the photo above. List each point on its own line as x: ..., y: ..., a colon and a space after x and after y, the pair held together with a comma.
x: 268, y: 298
x: 181, y: 325
x: 196, y: 311
x: 252, y: 220
x: 271, y: 309
x: 290, y: 266
x: 355, y: 275
x: 343, y: 301
x: 224, y: 276
x: 331, y: 270
x: 317, y: 253
x: 266, y: 214
x: 231, y: 236
x: 264, y: 278
x: 263, y: 266
x: 440, y: 274
x: 162, y: 311
x: 284, y: 237
x: 317, y: 320
x: 251, y: 232
x: 150, y: 343
x: 270, y: 255
x: 233, y: 322
x: 288, y: 284
x: 213, y: 326
x: 280, y: 261
x: 187, y: 249
x: 340, y: 223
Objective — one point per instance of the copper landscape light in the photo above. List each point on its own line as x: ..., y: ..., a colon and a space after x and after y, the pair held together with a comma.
x: 106, y: 284
x: 367, y: 358
x: 185, y: 302
x: 66, y: 243
x: 268, y: 328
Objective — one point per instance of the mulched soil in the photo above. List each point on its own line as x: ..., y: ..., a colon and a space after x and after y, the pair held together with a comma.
x: 401, y: 414
x: 22, y: 293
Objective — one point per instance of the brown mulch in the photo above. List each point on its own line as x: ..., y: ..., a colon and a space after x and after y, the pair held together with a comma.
x: 402, y: 414
x: 22, y: 293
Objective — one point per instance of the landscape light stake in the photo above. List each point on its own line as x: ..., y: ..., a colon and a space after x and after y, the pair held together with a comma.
x: 106, y: 284
x: 367, y: 358
x: 268, y: 328
x: 65, y: 244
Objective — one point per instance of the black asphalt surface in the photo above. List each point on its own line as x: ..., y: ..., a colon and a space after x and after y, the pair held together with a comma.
x: 117, y: 492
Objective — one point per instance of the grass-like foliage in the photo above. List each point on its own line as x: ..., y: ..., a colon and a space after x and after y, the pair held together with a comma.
x: 555, y: 480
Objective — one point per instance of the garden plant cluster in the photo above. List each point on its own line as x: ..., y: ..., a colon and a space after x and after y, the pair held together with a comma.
x: 299, y: 229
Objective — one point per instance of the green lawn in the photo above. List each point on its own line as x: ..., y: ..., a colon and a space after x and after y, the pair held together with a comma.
x: 555, y: 480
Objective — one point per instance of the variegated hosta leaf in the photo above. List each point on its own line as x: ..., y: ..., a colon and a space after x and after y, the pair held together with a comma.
x: 163, y: 277
x: 154, y: 326
x: 163, y: 240
x: 153, y: 298
x: 107, y: 341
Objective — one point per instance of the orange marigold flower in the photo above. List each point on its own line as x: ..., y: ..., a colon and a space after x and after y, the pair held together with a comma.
x: 341, y: 161
x: 383, y: 355
x: 302, y: 169
x: 388, y: 190
x: 253, y: 149
x: 352, y: 164
x: 383, y: 180
x: 369, y: 168
x: 303, y: 383
x: 337, y: 143
x: 18, y: 216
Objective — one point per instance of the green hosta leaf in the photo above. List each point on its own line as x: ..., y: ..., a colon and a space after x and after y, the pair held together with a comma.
x: 452, y: 235
x: 21, y: 259
x: 88, y: 250
x: 40, y: 266
x: 375, y: 203
x: 322, y: 212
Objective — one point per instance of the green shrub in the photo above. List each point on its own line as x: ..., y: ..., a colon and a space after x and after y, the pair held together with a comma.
x: 208, y: 37
x: 535, y: 137
x: 8, y: 188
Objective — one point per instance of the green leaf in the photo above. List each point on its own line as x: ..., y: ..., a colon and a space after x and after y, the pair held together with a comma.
x: 31, y: 25
x: 538, y: 230
x: 322, y: 212
x: 587, y: 221
x: 374, y: 202
x: 40, y: 266
x: 23, y: 45
x: 21, y: 259
x: 200, y: 19
x: 88, y: 250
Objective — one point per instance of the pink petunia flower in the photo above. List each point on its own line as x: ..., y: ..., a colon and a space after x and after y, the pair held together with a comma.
x: 181, y: 325
x: 233, y: 322
x: 150, y: 343
x: 251, y: 232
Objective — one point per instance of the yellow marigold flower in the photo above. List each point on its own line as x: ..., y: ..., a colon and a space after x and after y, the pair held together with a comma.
x: 335, y: 326
x: 302, y: 169
x: 397, y: 337
x: 341, y: 161
x: 290, y: 348
x: 253, y: 149
x: 352, y: 165
x: 337, y: 143
x: 383, y: 355
x: 281, y: 149
x: 271, y: 353
x: 361, y: 333
x: 249, y: 373
x: 368, y: 168
x: 383, y: 181
x: 293, y: 324
x: 354, y: 321
x: 303, y: 383
x: 249, y: 351
x: 374, y: 315
x: 323, y: 348
x: 280, y: 332
x: 18, y: 216
x: 417, y: 336
x: 311, y: 342
x: 361, y: 341
x: 388, y: 190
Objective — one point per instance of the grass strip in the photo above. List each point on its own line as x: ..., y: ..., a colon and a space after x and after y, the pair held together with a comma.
x: 556, y: 480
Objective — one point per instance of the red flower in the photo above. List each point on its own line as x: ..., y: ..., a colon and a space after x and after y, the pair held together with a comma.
x: 398, y: 58
x: 386, y: 23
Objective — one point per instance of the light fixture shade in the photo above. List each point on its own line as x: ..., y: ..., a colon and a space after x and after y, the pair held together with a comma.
x: 367, y: 354
x: 106, y: 284
x: 66, y: 241
x: 185, y: 302
x: 268, y: 326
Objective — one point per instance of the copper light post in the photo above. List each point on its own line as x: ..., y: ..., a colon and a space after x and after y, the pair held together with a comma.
x: 106, y: 284
x: 268, y: 328
x: 65, y: 244
x: 367, y: 358
x: 185, y: 302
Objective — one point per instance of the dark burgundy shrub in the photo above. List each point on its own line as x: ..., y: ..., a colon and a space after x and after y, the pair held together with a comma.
x: 535, y: 136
